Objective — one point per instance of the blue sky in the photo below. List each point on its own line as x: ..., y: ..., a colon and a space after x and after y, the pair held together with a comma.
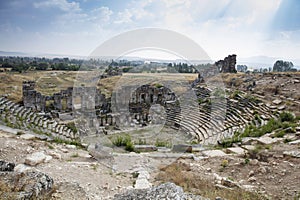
x: 76, y: 27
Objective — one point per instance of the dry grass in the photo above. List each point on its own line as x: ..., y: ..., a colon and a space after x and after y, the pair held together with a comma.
x: 47, y: 82
x: 181, y: 174
x: 50, y: 82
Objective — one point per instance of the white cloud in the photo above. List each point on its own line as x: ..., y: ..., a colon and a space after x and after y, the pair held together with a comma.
x: 61, y: 4
x: 221, y: 27
x: 124, y: 17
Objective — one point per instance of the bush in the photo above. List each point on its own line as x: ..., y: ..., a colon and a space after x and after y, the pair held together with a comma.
x: 286, y: 117
x: 124, y: 141
x: 129, y: 146
x: 160, y: 143
x: 72, y: 126
x: 279, y: 134
x: 20, y: 133
x: 120, y: 140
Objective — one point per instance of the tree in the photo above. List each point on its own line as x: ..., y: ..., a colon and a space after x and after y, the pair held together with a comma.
x: 42, y: 66
x: 282, y: 66
x: 241, y: 68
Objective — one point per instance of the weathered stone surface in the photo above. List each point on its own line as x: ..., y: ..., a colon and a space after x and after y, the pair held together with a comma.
x: 70, y: 146
x: 55, y: 155
x: 144, y: 174
x: 268, y: 140
x: 142, y: 183
x: 277, y: 101
x: 99, y: 151
x: 227, y: 65
x: 67, y: 190
x: 236, y: 150
x: 247, y: 140
x: 22, y: 168
x: 145, y: 148
x: 214, y: 153
x: 295, y: 142
x: 27, y: 185
x: 295, y: 153
x: 229, y: 183
x: 248, y: 147
x: 182, y: 148
x: 164, y: 191
x: 6, y: 166
x: 35, y: 158
x: 28, y: 136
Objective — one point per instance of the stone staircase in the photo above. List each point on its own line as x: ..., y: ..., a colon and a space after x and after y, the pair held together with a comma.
x: 17, y: 116
x: 209, y: 123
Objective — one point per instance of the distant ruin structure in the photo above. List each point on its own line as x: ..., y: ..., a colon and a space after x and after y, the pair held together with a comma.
x: 84, y: 98
x: 227, y: 65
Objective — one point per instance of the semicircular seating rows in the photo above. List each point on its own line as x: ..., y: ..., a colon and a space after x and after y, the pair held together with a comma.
x: 17, y: 116
x: 207, y: 121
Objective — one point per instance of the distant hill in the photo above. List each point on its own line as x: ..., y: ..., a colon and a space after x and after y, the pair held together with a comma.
x: 22, y: 54
x: 264, y: 61
x: 7, y: 53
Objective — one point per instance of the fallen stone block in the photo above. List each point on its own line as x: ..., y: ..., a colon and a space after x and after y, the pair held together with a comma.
x: 268, y: 140
x: 277, y: 101
x: 237, y: 150
x: 295, y: 142
x: 214, y: 153
x: 21, y: 168
x: 28, y: 136
x: 35, y: 158
x: 248, y: 147
x: 182, y: 148
x: 145, y: 148
x: 55, y: 155
x: 295, y: 153
x: 142, y: 184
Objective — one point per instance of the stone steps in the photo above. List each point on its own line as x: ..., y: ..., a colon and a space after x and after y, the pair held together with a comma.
x: 24, y: 118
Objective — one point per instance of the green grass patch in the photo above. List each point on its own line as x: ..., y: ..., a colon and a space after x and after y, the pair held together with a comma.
x: 285, y: 121
x: 161, y: 143
x: 72, y: 126
x: 123, y: 141
x: 73, y: 142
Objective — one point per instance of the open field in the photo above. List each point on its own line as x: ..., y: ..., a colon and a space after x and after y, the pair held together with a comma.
x: 49, y: 82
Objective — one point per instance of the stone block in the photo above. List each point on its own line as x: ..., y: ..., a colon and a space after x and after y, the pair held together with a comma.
x: 27, y: 136
x: 268, y: 140
x: 236, y: 150
x: 35, y: 158
x: 214, y: 153
x: 145, y: 148
x: 182, y: 148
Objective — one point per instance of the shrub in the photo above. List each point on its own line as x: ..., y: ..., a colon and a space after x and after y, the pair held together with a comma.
x: 20, y: 133
x: 142, y: 141
x: 120, y: 141
x: 158, y: 85
x: 224, y: 163
x: 286, y: 117
x: 72, y: 126
x: 124, y: 141
x: 129, y: 146
x: 160, y: 143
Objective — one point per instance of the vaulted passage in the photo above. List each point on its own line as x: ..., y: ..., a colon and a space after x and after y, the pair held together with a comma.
x: 152, y: 104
